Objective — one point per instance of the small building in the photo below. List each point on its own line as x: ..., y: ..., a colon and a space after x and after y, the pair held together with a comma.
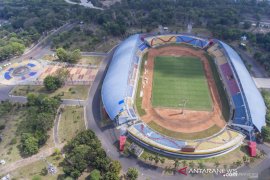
x: 122, y: 142
x: 252, y: 148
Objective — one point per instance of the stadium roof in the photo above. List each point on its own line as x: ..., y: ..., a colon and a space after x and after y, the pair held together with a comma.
x: 254, y: 98
x: 115, y: 85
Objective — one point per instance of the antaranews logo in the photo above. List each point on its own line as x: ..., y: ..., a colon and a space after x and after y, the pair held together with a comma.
x: 222, y: 172
x: 183, y: 171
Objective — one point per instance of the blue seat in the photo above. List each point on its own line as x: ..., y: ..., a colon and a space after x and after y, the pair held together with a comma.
x: 143, y: 46
x: 158, y: 138
x: 202, y: 43
x: 238, y: 100
x: 240, y: 116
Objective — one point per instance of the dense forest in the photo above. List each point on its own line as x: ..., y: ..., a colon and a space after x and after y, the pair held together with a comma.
x: 29, y: 19
x: 40, y: 115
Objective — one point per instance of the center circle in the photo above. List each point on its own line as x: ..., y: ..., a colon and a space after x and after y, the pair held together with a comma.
x: 20, y: 71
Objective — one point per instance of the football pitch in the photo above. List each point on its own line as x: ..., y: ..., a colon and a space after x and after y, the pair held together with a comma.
x: 180, y: 82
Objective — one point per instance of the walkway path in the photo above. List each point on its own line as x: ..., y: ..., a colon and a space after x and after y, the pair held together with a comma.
x: 263, y: 168
x: 262, y: 82
x: 24, y: 162
x: 257, y: 71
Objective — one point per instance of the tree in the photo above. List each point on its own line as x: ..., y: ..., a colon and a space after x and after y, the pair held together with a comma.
x: 75, y: 56
x: 61, y: 54
x: 217, y: 164
x: 201, y: 165
x: 132, y: 174
x: 85, y: 151
x: 29, y: 144
x: 247, y: 25
x: 95, y: 175
x: 266, y: 133
x: 162, y: 160
x: 176, y: 163
x: 238, y: 163
x: 191, y: 164
x: 77, y: 161
x: 39, y: 119
x: 68, y: 56
x: 52, y: 83
x: 115, y: 167
x: 156, y: 158
x: 151, y: 158
x: 110, y: 176
x: 257, y: 55
x: 184, y: 163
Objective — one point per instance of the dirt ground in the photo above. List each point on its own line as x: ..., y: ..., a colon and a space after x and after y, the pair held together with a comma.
x: 173, y: 119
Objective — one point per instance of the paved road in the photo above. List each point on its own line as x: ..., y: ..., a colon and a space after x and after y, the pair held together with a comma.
x: 263, y: 168
x: 262, y: 82
x: 85, y: 3
x: 257, y: 71
x: 4, y: 90
x: 22, y: 99
x: 42, y: 47
x: 24, y: 162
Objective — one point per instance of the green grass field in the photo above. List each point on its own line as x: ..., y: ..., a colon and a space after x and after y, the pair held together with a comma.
x: 71, y: 123
x: 180, y: 79
x: 65, y: 92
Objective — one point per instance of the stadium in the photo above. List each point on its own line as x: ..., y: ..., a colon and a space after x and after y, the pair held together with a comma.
x: 182, y: 96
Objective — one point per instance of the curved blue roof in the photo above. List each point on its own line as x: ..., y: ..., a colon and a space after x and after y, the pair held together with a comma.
x: 115, y: 85
x: 253, y: 98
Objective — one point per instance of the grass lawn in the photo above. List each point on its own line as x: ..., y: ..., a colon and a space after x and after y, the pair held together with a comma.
x: 66, y: 92
x: 36, y: 170
x: 71, y: 123
x: 178, y: 80
x: 9, y: 150
x: 91, y: 60
x: 187, y: 136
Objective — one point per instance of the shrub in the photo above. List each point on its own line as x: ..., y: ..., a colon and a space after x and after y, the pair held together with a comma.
x: 2, y: 127
x: 13, y: 141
